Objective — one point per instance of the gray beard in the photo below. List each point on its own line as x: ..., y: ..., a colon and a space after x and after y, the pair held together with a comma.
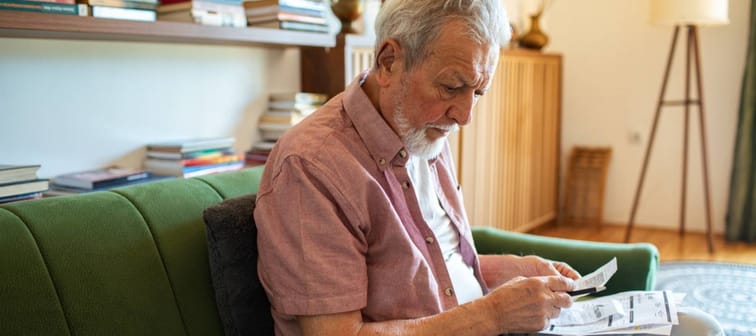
x: 415, y: 139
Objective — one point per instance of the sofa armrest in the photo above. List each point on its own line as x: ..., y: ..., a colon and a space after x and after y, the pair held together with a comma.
x: 636, y: 262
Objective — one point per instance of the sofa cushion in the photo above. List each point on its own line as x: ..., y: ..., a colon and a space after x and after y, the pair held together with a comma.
x: 232, y: 247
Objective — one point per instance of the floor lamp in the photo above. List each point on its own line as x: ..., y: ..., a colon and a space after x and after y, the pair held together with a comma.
x: 687, y: 14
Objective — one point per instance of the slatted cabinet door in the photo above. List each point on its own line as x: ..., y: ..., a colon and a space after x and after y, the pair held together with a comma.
x: 508, y: 157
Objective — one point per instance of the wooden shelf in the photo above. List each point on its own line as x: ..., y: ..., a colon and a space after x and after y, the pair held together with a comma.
x: 20, y: 24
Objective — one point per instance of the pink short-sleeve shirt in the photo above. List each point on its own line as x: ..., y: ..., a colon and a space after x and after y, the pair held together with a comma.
x: 340, y: 228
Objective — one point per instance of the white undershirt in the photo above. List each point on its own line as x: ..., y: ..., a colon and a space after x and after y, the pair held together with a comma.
x: 463, y: 279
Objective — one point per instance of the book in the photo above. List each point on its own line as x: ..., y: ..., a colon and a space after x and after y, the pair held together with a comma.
x: 269, y: 10
x: 290, y: 25
x: 210, y: 6
x: 22, y: 197
x: 304, y: 109
x: 100, y: 178
x: 205, y: 17
x: 287, y: 17
x: 149, y: 164
x: 307, y: 4
x: 58, y: 1
x: 58, y: 190
x: 196, y: 170
x: 285, y: 117
x: 122, y: 4
x: 17, y: 173
x: 272, y: 131
x: 132, y: 14
x: 265, y: 146
x: 205, y: 153
x: 308, y: 98
x: 44, y: 7
x: 23, y: 187
x: 190, y: 145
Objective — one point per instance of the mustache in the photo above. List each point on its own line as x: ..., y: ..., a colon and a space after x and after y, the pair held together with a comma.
x: 448, y: 128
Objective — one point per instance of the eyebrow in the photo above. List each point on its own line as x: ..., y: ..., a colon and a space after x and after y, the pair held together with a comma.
x: 472, y: 83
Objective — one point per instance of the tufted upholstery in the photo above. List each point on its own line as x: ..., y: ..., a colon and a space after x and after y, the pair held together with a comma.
x: 130, y: 262
x: 134, y: 261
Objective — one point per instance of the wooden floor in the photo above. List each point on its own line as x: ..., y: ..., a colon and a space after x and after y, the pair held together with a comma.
x: 672, y: 246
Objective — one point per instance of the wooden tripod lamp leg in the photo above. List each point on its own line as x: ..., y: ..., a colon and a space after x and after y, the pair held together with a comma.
x: 652, y: 136
x: 702, y: 123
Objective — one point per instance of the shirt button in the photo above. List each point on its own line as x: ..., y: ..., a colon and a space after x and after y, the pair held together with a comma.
x: 382, y: 161
x: 449, y: 291
x: 429, y: 240
x: 405, y: 185
x: 403, y: 153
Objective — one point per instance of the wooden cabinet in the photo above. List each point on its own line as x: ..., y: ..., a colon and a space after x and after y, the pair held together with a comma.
x: 508, y: 157
x: 330, y: 70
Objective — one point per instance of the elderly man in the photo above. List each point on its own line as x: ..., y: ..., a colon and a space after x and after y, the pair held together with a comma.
x: 361, y: 228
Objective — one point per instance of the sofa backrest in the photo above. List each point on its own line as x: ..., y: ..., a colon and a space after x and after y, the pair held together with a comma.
x: 131, y: 261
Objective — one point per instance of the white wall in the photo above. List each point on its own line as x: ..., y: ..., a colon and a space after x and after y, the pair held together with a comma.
x: 614, y: 60
x: 74, y: 105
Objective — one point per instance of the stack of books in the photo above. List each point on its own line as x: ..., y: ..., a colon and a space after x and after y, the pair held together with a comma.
x: 193, y: 157
x: 99, y: 179
x: 20, y: 182
x: 45, y: 6
x: 304, y: 15
x: 259, y: 153
x: 136, y: 10
x: 228, y: 13
x: 286, y: 110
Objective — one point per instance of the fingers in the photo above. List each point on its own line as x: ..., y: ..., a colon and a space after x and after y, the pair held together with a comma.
x: 559, y: 285
x: 566, y: 270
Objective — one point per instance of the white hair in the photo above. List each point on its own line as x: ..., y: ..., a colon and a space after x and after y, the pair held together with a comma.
x: 415, y: 24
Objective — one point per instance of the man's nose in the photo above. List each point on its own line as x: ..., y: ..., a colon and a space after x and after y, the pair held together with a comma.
x: 461, y: 110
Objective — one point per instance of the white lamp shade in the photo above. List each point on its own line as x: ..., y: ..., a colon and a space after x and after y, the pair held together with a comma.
x: 689, y: 12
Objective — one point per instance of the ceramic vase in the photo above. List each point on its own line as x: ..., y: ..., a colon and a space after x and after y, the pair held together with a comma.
x: 535, y: 38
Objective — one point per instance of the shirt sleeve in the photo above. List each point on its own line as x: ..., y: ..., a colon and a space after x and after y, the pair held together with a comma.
x: 311, y: 249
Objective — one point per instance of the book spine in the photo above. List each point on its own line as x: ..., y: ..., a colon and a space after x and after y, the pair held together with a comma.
x: 263, y: 11
x: 123, y: 4
x: 123, y: 13
x: 120, y: 180
x: 71, y: 2
x: 40, y: 6
x: 288, y: 17
x: 210, y: 18
x: 220, y: 159
x: 218, y: 7
x: 306, y: 4
x: 214, y: 169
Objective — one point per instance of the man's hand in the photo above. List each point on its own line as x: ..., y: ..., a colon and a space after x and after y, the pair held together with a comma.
x: 527, y: 304
x: 498, y: 269
x: 522, y: 305
x: 566, y: 270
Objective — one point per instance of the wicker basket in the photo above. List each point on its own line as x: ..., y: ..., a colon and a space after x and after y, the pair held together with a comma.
x: 586, y: 179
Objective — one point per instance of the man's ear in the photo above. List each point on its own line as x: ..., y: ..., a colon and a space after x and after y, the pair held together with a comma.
x: 387, y: 61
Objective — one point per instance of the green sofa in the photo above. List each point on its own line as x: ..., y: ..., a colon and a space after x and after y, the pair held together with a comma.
x: 134, y: 260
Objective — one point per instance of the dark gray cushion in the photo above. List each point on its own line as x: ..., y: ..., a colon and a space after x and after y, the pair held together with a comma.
x: 232, y: 247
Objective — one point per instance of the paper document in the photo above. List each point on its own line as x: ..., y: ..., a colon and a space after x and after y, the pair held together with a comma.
x: 599, y: 277
x: 639, y: 310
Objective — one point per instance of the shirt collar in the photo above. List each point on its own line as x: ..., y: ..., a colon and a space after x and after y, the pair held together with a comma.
x: 382, y: 142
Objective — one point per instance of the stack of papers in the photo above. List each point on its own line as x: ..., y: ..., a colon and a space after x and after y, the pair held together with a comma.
x: 634, y: 312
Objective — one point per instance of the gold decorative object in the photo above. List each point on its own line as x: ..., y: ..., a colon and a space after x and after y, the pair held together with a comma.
x: 534, y: 38
x: 347, y: 11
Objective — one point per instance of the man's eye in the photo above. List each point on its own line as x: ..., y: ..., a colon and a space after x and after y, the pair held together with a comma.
x: 451, y: 89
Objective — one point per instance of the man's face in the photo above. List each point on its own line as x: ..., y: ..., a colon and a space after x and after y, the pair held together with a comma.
x: 437, y: 96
